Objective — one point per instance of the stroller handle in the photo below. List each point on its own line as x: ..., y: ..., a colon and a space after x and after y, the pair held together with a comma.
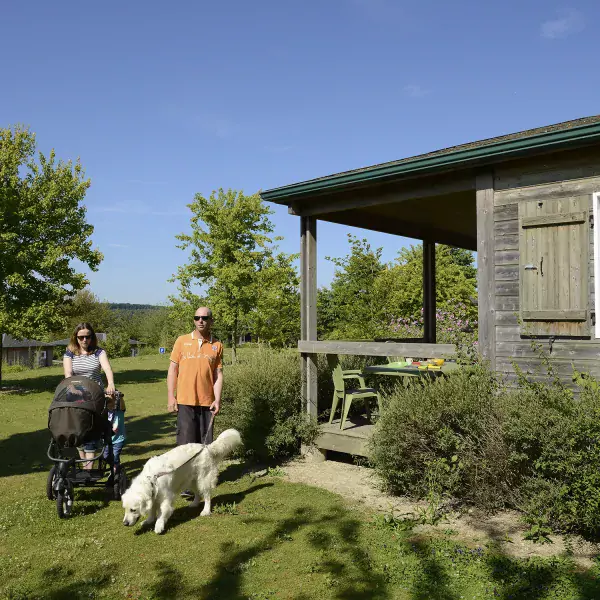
x: 72, y: 460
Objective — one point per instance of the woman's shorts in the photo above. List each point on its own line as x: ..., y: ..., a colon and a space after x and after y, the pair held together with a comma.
x: 92, y: 446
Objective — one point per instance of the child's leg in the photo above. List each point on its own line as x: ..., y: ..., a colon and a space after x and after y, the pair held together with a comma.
x: 117, y: 456
x: 90, y: 450
x: 88, y: 465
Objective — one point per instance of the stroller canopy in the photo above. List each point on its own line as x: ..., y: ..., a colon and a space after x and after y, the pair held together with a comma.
x: 76, y: 414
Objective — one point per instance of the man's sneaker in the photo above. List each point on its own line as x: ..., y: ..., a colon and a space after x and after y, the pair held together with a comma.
x: 187, y: 494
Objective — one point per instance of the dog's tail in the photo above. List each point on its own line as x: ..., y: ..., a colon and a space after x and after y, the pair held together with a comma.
x: 225, y: 444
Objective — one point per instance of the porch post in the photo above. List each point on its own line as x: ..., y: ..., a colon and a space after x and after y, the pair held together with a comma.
x: 429, y: 302
x: 486, y: 285
x: 308, y: 309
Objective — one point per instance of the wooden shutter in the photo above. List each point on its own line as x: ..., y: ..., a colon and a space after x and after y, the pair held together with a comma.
x: 553, y: 271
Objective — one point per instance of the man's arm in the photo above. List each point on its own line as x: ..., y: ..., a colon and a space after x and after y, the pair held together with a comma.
x: 171, y: 385
x: 218, y: 388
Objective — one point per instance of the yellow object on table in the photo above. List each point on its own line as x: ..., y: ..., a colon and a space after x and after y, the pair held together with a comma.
x: 437, y: 361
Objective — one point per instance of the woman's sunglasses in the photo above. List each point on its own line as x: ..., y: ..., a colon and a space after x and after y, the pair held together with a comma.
x: 84, y: 337
x: 198, y: 317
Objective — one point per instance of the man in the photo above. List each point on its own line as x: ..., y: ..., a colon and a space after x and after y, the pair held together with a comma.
x: 196, y: 372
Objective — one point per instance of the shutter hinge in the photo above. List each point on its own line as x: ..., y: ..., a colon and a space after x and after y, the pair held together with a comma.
x: 593, y: 317
x: 591, y: 220
x: 551, y: 343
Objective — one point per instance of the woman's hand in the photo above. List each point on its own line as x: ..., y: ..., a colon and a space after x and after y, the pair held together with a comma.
x: 110, y: 389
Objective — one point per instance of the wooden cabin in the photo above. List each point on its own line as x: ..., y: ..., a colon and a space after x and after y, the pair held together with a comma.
x: 526, y: 202
x: 28, y: 353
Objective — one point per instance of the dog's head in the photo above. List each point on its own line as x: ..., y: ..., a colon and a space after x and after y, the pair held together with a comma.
x: 137, y: 501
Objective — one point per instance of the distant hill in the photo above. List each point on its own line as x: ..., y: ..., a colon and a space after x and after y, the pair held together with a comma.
x: 131, y: 307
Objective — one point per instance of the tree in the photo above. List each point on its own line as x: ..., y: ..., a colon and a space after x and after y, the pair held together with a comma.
x: 229, y: 244
x: 276, y: 316
x: 43, y: 228
x: 117, y: 343
x: 179, y: 317
x: 353, y: 302
x: 85, y: 306
x: 400, y: 287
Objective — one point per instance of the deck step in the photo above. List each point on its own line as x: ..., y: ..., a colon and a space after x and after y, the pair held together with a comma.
x: 350, y: 440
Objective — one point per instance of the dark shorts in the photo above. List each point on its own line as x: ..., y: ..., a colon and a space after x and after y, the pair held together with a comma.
x: 91, y: 447
x: 116, y: 452
x: 192, y: 425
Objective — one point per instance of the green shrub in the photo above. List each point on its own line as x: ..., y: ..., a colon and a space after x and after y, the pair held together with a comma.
x: 262, y: 399
x: 449, y: 431
x: 117, y: 344
x: 16, y: 368
x: 535, y: 447
x: 555, y: 444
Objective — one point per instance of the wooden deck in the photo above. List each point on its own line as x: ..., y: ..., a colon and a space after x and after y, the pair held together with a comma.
x: 351, y: 440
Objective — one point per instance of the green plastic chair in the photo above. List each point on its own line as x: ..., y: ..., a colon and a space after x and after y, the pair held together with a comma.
x: 397, y: 360
x: 347, y: 395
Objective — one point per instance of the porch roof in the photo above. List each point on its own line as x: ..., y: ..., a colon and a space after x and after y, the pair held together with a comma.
x: 574, y: 133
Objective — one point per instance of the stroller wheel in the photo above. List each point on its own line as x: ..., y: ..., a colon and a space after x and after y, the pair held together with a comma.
x: 64, y: 502
x: 50, y: 492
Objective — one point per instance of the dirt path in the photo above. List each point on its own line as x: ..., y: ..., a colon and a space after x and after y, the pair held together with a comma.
x: 356, y: 484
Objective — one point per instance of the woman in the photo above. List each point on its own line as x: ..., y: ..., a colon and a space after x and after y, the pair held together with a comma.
x: 84, y: 358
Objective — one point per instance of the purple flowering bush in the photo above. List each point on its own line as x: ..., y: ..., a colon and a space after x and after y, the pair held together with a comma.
x: 455, y: 325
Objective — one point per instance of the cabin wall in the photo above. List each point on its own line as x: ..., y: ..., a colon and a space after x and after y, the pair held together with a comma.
x: 28, y: 356
x: 557, y: 176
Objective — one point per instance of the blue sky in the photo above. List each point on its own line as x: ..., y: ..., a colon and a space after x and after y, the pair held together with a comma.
x: 162, y: 100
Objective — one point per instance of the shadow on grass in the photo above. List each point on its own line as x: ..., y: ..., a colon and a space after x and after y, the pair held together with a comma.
x: 96, y: 499
x: 25, y: 453
x: 52, y: 584
x: 507, y: 578
x: 346, y: 566
x: 184, y: 514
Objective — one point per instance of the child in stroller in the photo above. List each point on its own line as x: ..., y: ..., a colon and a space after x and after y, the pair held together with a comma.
x: 77, y: 415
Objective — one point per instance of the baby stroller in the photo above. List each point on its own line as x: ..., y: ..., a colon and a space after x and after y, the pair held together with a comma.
x: 77, y: 415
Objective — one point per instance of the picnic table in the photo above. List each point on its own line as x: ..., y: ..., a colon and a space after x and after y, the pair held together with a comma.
x: 402, y: 369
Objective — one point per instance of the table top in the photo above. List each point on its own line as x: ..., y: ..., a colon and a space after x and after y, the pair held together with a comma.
x: 400, y: 369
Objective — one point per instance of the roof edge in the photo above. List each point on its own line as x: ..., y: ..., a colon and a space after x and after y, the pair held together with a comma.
x: 460, y: 158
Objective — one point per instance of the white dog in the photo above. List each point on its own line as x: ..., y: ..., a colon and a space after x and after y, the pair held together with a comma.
x: 191, y: 466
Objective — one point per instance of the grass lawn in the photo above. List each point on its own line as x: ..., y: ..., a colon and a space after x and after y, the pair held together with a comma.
x: 266, y: 539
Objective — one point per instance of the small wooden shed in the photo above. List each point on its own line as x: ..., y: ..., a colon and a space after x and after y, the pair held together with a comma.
x: 526, y: 202
x: 28, y: 353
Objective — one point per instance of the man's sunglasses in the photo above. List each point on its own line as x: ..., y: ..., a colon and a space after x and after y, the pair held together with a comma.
x: 84, y: 337
x: 198, y: 317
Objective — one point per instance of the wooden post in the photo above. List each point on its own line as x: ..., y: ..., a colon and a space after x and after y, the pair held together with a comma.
x: 429, y: 301
x: 486, y: 290
x: 308, y: 309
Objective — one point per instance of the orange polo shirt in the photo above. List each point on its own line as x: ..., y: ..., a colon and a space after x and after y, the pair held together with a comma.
x: 198, y: 359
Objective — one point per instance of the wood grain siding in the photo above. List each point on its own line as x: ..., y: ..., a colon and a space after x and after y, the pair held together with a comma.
x: 550, y: 191
x: 557, y: 168
x: 486, y: 287
x: 553, y: 274
x: 564, y: 184
x: 565, y: 350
